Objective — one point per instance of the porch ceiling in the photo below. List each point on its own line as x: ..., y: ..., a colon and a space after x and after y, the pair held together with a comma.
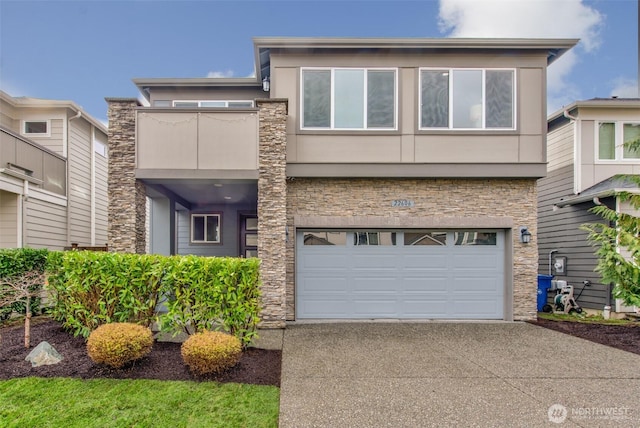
x: 204, y: 192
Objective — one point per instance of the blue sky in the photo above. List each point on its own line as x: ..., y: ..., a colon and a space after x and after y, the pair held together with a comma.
x: 84, y: 51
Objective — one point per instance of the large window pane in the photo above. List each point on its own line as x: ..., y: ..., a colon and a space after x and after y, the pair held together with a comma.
x: 349, y: 99
x: 212, y: 228
x: 467, y: 99
x: 475, y: 238
x: 499, y: 99
x: 197, y: 225
x: 325, y: 238
x: 435, y: 99
x: 317, y: 98
x: 631, y: 134
x: 606, y: 141
x: 425, y: 238
x: 381, y: 89
x: 374, y: 238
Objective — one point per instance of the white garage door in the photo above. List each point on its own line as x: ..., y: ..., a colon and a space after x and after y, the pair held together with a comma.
x: 400, y: 274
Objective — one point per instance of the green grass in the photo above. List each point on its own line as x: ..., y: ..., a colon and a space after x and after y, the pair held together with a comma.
x: 63, y: 402
x: 584, y: 318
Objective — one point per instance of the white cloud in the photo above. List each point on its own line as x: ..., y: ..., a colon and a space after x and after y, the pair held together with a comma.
x: 625, y: 88
x: 529, y: 19
x: 219, y: 74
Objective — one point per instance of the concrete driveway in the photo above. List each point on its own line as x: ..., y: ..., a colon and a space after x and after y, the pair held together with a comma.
x: 453, y: 374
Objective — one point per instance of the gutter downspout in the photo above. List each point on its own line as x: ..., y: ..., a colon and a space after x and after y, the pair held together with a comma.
x: 577, y: 158
x: 550, y: 253
x: 77, y: 116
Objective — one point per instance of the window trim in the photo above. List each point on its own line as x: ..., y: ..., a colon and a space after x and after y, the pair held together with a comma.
x: 484, y: 128
x: 618, y: 127
x: 205, y: 215
x: 24, y: 132
x: 104, y: 148
x: 199, y: 102
x: 331, y: 126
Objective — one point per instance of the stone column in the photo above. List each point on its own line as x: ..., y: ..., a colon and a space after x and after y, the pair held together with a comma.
x: 272, y: 209
x: 127, y: 196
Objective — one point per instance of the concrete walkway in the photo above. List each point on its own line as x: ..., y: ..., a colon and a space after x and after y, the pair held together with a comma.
x: 453, y: 374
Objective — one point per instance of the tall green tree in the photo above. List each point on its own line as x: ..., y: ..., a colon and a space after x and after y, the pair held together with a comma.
x: 618, y: 242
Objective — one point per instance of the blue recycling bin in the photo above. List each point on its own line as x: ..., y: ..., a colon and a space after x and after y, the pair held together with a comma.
x: 544, y: 284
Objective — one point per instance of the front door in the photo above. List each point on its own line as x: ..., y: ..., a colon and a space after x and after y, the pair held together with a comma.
x: 248, y: 235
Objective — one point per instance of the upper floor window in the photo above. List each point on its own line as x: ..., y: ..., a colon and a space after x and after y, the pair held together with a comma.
x: 37, y: 128
x: 467, y: 99
x: 613, y: 140
x: 349, y: 99
x: 214, y: 103
x: 100, y: 148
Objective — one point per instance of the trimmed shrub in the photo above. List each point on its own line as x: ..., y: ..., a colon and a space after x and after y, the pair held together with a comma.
x: 212, y: 293
x: 95, y: 288
x: 211, y: 352
x: 117, y: 344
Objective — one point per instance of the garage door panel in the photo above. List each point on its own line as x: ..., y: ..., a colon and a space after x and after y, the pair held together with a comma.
x: 380, y: 307
x: 437, y: 284
x: 428, y: 306
x: 384, y: 284
x: 321, y: 261
x: 375, y: 261
x: 485, y: 285
x: 424, y: 261
x: 474, y: 308
x: 400, y: 281
x: 325, y: 284
x: 476, y: 261
x: 326, y: 308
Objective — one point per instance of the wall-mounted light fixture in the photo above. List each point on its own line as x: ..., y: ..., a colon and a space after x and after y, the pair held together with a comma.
x: 266, y: 84
x: 525, y: 235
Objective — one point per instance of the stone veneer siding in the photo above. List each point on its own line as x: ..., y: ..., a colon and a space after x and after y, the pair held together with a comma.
x: 127, y: 196
x: 443, y: 202
x: 272, y: 202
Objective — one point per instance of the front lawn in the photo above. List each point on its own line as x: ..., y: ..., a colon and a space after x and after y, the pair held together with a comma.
x: 64, y: 402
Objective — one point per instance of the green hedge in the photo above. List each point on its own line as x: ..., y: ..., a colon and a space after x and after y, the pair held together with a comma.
x: 197, y: 293
x: 212, y: 293
x: 15, y: 262
x: 95, y: 288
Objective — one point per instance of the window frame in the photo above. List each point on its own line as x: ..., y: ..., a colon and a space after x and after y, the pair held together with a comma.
x: 24, y: 132
x: 332, y: 126
x: 199, y: 102
x: 618, y: 141
x: 205, y: 215
x: 451, y: 70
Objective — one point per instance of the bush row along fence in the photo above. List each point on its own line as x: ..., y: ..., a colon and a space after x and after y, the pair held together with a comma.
x: 180, y: 293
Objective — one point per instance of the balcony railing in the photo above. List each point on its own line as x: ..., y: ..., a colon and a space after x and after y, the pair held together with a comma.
x: 197, y: 139
x: 25, y: 160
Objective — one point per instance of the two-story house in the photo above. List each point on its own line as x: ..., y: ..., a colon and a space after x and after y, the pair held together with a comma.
x: 374, y: 178
x: 53, y: 175
x: 587, y: 166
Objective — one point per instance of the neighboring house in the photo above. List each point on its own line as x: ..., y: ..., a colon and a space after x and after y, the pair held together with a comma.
x: 374, y: 178
x: 53, y: 175
x: 587, y: 164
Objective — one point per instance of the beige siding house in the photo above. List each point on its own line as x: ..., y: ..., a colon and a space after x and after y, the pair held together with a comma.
x: 587, y: 164
x: 53, y: 175
x: 374, y: 178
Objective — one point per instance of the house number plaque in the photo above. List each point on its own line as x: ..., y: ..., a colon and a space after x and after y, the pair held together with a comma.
x: 402, y: 203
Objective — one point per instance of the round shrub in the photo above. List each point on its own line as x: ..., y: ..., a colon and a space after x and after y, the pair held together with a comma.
x: 117, y: 344
x: 210, y: 352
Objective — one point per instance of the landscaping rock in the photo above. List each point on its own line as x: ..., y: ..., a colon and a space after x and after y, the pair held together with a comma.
x: 43, y: 355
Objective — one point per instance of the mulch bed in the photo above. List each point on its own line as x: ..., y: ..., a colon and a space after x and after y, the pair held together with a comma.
x: 256, y: 366
x: 625, y: 337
